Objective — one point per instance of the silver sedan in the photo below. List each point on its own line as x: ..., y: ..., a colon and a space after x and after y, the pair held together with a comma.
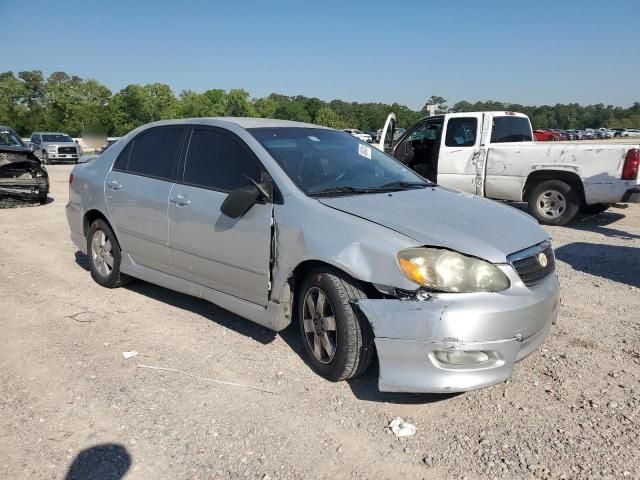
x: 283, y: 222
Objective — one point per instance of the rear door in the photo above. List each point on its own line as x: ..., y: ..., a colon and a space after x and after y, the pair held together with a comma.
x: 207, y: 247
x: 509, y: 155
x: 137, y: 193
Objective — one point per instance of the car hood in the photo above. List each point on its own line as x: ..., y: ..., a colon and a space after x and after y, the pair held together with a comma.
x: 447, y: 218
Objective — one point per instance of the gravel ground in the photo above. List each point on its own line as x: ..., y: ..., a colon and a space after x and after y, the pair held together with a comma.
x: 71, y: 405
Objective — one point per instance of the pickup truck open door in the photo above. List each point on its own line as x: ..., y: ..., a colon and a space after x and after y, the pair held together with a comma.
x: 386, y: 142
x: 461, y: 142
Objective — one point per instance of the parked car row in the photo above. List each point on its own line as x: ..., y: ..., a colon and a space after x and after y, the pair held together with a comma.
x: 555, y: 134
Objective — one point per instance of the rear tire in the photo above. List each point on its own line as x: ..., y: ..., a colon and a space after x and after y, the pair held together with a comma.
x: 594, y: 209
x: 335, y: 322
x: 105, y: 256
x: 554, y: 202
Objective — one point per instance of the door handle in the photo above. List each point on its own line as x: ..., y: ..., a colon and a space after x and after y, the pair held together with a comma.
x: 114, y: 185
x: 179, y: 200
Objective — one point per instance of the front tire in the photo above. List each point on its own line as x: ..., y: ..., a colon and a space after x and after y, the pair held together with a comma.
x: 337, y: 338
x: 45, y: 158
x: 104, y: 256
x: 554, y: 202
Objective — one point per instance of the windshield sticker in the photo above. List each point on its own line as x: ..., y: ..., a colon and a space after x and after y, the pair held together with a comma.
x: 313, y: 139
x: 364, y: 151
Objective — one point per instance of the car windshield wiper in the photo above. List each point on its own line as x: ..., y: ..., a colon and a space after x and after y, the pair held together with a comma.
x: 341, y: 191
x: 404, y: 185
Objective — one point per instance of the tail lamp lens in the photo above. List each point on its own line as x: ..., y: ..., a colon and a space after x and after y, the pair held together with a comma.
x: 631, y: 165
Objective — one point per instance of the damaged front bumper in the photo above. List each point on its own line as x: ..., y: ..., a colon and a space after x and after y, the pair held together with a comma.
x: 460, y: 342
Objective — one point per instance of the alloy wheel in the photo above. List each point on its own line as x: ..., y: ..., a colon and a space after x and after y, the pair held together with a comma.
x: 319, y: 323
x: 102, y: 253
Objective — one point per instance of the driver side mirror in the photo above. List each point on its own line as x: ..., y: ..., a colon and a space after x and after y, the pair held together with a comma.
x: 239, y: 201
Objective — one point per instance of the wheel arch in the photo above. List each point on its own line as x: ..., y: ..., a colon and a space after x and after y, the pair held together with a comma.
x: 303, y: 268
x: 538, y: 176
x: 91, y: 216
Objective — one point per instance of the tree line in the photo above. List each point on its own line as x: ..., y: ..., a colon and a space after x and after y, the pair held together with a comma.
x: 62, y: 102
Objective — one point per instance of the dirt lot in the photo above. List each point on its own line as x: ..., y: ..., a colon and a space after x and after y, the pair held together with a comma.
x: 570, y: 411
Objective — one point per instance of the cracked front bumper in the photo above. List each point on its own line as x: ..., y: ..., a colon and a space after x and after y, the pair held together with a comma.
x: 506, y: 326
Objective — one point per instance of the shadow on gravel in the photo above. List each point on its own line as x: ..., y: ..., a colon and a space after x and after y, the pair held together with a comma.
x: 590, y: 223
x: 108, y: 461
x: 11, y: 201
x: 365, y: 387
x: 82, y: 260
x: 196, y: 305
x: 613, y: 262
x: 599, y: 224
x: 205, y: 309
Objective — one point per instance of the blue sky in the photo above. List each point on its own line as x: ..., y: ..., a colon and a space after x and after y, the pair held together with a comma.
x: 527, y: 52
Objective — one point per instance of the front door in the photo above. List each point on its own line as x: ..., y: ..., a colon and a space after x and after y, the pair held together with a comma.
x: 461, y: 155
x: 137, y: 193
x: 207, y: 247
x: 419, y: 147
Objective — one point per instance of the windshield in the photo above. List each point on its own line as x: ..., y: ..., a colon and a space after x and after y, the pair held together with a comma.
x: 57, y: 137
x: 9, y: 138
x: 328, y: 161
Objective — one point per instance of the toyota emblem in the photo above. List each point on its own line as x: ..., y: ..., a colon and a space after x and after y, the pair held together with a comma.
x: 542, y: 259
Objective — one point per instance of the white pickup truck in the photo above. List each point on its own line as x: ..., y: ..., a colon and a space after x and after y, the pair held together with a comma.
x: 493, y: 154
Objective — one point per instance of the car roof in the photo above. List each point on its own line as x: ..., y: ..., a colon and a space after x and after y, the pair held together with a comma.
x: 50, y: 133
x: 244, y: 122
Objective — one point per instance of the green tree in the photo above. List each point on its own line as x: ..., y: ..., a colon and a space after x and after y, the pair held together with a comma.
x: 436, y: 100
x: 329, y: 118
x: 238, y: 104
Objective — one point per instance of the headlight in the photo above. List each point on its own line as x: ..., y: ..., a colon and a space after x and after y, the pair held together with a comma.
x: 52, y: 148
x: 449, y: 271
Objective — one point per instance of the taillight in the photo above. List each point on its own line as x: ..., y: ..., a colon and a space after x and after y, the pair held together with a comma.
x: 631, y: 165
x: 70, y: 179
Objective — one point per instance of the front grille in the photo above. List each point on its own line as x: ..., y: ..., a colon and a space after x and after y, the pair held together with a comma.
x: 527, y: 263
x: 67, y: 150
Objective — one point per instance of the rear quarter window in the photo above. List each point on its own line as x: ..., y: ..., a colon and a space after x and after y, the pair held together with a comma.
x: 510, y: 129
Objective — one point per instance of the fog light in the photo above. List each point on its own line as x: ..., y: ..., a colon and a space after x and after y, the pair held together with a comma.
x: 461, y: 357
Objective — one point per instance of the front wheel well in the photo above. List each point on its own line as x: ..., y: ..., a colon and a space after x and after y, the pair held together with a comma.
x: 541, y: 175
x: 303, y: 268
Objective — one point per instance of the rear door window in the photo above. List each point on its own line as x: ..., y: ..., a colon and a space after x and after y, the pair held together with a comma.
x: 219, y: 161
x: 152, y: 153
x: 510, y: 129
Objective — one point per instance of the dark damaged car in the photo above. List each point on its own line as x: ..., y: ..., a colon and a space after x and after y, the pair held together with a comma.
x: 22, y: 176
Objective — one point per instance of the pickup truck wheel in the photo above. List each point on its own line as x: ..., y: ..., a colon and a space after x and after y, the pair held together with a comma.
x: 594, y: 209
x: 105, y: 256
x: 554, y: 202
x: 45, y: 158
x: 337, y: 338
